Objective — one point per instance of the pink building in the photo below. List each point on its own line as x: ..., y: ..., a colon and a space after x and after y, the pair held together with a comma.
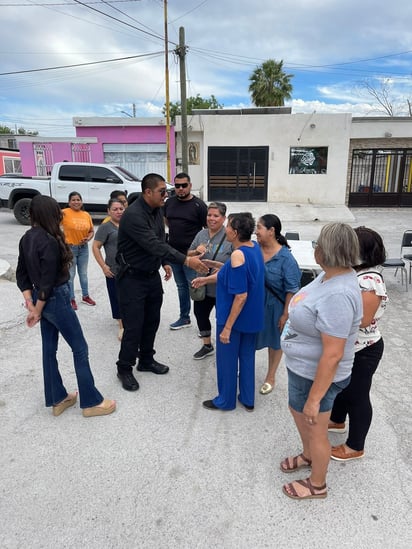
x: 137, y: 144
x: 9, y: 161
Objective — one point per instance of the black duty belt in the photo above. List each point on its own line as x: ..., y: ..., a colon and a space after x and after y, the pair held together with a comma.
x: 141, y: 274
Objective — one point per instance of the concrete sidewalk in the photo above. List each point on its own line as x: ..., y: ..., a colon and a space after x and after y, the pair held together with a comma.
x: 162, y: 472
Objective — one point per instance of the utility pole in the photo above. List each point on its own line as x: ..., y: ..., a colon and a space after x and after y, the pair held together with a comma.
x: 181, y: 52
x: 169, y: 171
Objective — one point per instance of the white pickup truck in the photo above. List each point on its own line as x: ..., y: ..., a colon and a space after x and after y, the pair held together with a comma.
x: 94, y: 182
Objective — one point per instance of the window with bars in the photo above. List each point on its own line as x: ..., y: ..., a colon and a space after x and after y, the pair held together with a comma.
x: 81, y: 152
x: 238, y: 173
x: 43, y: 154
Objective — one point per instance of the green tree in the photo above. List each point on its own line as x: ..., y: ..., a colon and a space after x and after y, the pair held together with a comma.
x: 20, y: 131
x: 192, y: 103
x: 270, y: 85
x: 6, y: 130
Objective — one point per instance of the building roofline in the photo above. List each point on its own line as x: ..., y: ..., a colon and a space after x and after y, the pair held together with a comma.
x: 361, y: 119
x: 116, y: 121
x: 248, y: 110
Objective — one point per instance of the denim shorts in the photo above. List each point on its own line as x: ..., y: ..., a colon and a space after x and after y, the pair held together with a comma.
x: 299, y: 388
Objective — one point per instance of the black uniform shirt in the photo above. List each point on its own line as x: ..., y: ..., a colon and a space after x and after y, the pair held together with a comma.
x: 142, y: 240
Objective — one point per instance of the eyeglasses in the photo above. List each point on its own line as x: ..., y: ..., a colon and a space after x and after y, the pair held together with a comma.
x: 162, y: 191
x: 181, y: 185
x: 314, y: 244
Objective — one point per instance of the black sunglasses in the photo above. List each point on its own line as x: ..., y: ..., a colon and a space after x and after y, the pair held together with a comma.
x: 161, y: 191
x: 181, y: 185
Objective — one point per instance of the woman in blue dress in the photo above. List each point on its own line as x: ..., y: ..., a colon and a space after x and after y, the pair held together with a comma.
x: 282, y: 281
x: 239, y: 316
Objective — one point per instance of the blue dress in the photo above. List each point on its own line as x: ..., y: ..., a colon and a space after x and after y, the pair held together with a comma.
x: 282, y: 273
x: 235, y: 361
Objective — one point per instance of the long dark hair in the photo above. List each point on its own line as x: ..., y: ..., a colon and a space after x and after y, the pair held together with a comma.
x: 272, y: 221
x: 46, y: 213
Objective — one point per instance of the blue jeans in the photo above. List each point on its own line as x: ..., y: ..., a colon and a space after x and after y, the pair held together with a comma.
x: 59, y: 317
x: 183, y: 277
x: 80, y: 259
x: 299, y: 388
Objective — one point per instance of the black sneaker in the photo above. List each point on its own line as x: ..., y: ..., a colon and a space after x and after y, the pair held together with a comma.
x: 205, y: 351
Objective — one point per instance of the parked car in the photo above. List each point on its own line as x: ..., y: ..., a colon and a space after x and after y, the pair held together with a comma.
x: 94, y: 182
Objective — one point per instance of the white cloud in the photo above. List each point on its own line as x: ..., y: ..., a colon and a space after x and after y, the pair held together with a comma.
x: 226, y: 40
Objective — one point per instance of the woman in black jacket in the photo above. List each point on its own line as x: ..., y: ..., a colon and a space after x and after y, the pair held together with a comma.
x: 42, y: 276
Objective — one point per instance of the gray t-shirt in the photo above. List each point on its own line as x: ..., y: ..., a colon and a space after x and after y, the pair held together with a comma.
x: 222, y: 255
x: 107, y: 233
x: 332, y: 307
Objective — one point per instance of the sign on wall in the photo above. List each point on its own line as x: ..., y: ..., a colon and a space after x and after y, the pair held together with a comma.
x: 308, y: 160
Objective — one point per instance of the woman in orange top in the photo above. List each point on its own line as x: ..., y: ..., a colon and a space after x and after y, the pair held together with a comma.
x: 78, y: 230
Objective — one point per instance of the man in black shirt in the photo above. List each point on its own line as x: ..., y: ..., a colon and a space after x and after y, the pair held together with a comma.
x: 141, y: 250
x: 185, y: 216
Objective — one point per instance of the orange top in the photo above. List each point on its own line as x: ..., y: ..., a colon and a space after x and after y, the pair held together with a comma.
x: 76, y: 226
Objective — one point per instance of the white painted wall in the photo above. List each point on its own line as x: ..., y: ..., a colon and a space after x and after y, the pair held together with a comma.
x: 280, y: 132
x: 383, y: 127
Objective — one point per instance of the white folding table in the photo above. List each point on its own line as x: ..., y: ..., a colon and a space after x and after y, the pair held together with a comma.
x: 302, y: 251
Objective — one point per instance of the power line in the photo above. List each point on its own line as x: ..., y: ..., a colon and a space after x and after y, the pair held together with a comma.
x: 94, y: 23
x: 339, y: 69
x: 41, y: 4
x: 82, y: 64
x: 189, y: 11
x: 239, y: 59
x: 119, y: 20
x: 126, y: 15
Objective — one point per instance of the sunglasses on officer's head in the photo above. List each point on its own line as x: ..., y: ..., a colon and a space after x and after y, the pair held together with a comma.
x: 181, y: 185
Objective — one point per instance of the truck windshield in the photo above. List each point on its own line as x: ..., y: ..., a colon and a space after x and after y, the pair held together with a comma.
x: 129, y: 176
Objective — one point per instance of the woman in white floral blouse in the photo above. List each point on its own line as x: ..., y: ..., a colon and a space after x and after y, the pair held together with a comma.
x: 354, y: 401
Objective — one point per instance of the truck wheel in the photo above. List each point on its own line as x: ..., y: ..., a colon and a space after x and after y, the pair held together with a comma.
x: 21, y: 211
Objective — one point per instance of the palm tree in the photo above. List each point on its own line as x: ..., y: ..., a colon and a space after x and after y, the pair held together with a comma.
x: 270, y: 85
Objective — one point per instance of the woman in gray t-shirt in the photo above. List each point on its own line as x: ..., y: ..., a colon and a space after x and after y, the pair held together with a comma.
x: 319, y: 344
x: 106, y: 237
x: 211, y: 243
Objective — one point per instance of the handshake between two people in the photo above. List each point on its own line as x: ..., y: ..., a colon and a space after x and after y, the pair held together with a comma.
x: 210, y: 275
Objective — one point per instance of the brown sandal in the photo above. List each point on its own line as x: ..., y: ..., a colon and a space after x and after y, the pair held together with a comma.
x: 292, y: 463
x: 292, y: 493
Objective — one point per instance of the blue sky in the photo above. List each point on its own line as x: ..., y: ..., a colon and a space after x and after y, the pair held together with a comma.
x: 331, y: 47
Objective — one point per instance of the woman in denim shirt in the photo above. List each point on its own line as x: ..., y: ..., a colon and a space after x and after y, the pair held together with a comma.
x: 282, y: 281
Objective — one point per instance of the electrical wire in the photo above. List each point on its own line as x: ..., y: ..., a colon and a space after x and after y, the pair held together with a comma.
x: 82, y: 64
x: 119, y: 20
x: 126, y: 15
x: 47, y: 4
